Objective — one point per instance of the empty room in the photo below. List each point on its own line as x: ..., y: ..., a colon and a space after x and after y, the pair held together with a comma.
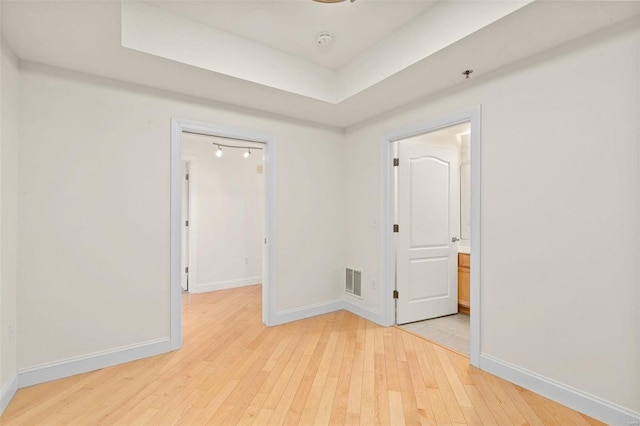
x: 360, y: 174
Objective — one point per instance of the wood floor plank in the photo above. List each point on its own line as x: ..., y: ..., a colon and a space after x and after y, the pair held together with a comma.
x: 409, y: 404
x: 393, y: 381
x: 438, y: 406
x: 367, y: 406
x: 537, y: 405
x: 311, y: 406
x: 325, y: 363
x: 525, y: 410
x: 452, y: 377
x: 471, y: 416
x: 428, y: 376
x: 381, y: 398
x: 512, y: 410
x: 263, y: 417
x: 252, y: 411
x: 354, y: 398
x: 491, y: 399
x: 332, y: 369
x: 396, y: 412
x: 420, y: 391
x: 339, y: 407
x: 369, y: 347
x: 323, y: 413
x: 480, y: 406
x: 446, y: 391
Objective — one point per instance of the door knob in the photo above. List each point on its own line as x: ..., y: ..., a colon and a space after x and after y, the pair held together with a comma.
x: 454, y: 239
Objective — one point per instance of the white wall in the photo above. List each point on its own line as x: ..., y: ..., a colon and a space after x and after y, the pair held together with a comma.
x: 8, y: 211
x: 560, y: 215
x: 94, y: 198
x: 227, y: 215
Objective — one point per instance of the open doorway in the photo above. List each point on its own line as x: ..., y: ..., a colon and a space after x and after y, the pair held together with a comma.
x: 440, y: 242
x: 239, y: 140
x: 223, y: 213
x: 432, y: 184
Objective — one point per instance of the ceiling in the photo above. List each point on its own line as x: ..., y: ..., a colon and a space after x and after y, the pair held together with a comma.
x: 293, y: 26
x: 262, y: 55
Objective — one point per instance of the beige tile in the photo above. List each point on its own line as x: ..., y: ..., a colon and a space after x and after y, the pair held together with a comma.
x: 464, y: 335
x: 457, y: 344
x: 432, y: 334
x: 450, y: 324
x: 452, y: 331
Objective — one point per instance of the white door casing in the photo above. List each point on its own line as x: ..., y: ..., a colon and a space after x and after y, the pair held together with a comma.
x: 473, y: 115
x: 178, y: 126
x: 429, y: 224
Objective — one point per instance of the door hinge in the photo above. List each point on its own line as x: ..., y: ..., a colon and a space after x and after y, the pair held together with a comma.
x: 186, y: 223
x: 186, y: 177
x: 396, y: 228
x: 396, y: 162
x: 186, y: 270
x: 395, y: 294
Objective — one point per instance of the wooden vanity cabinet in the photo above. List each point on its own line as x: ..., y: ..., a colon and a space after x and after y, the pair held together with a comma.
x: 463, y: 283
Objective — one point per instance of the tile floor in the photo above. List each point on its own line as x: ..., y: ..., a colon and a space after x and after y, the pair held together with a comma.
x: 451, y: 331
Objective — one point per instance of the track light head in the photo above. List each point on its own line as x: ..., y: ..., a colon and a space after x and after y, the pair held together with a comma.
x: 247, y: 154
x: 219, y: 152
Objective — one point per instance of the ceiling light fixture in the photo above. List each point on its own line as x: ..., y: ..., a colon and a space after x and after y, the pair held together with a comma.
x: 246, y: 149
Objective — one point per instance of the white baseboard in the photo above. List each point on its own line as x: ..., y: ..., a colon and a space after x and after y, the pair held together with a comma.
x: 356, y: 308
x: 223, y: 285
x: 583, y: 402
x: 7, y: 393
x: 325, y: 308
x: 306, y: 312
x: 95, y: 361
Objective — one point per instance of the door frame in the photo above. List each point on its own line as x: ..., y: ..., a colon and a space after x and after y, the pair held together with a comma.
x: 473, y: 116
x: 178, y: 126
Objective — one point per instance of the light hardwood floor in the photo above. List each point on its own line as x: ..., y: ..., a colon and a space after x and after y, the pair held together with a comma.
x: 332, y: 369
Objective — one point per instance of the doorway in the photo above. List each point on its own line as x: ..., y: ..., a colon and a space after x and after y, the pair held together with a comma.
x: 179, y: 127
x: 428, y: 235
x: 223, y: 218
x: 432, y: 191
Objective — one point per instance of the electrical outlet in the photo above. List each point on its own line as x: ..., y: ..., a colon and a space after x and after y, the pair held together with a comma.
x: 373, y: 284
x: 246, y: 260
x: 12, y: 331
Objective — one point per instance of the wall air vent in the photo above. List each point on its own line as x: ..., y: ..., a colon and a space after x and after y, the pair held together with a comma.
x: 353, y: 282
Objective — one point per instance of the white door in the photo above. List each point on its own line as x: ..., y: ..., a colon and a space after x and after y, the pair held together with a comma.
x: 184, y: 279
x: 428, y: 219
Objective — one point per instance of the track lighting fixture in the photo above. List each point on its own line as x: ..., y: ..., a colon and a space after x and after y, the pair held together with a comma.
x: 247, y: 150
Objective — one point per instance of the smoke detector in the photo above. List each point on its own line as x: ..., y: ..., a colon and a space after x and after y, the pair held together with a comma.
x: 324, y: 41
